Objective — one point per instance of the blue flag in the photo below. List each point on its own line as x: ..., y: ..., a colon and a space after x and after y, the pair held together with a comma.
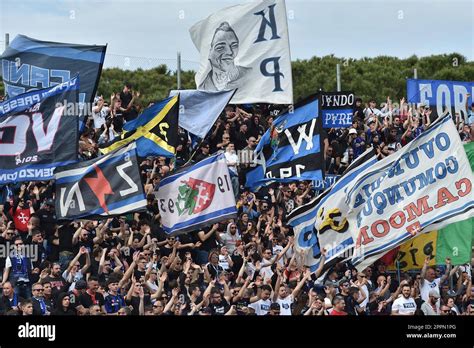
x: 198, y: 110
x: 291, y: 149
x: 441, y: 96
x: 29, y: 64
x: 337, y: 109
x: 38, y: 132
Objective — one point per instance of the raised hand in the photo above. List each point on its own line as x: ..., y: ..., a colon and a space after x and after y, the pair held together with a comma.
x: 163, y: 276
x: 136, y: 256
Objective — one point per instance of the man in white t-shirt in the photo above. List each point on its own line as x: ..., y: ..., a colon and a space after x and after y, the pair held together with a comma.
x: 405, y: 304
x: 100, y: 112
x: 277, y: 248
x: 262, y: 303
x: 283, y: 296
x: 232, y: 161
x: 268, y: 259
x: 430, y: 282
x: 362, y: 278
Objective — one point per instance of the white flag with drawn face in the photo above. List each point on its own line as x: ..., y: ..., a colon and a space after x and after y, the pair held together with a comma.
x: 246, y: 47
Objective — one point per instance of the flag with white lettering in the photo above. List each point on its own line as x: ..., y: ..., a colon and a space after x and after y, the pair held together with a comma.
x: 425, y: 186
x: 337, y: 109
x: 246, y: 47
x: 105, y: 186
x: 323, y: 185
x: 291, y: 149
x: 196, y: 196
x: 322, y: 224
x: 38, y: 132
x: 452, y: 96
x: 29, y: 64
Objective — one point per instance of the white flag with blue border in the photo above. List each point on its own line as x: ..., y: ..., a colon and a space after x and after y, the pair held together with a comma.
x: 196, y: 196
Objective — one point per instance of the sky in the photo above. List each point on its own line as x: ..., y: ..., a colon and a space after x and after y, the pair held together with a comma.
x: 157, y: 29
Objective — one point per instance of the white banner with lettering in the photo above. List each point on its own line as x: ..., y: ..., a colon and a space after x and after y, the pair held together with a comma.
x: 425, y: 186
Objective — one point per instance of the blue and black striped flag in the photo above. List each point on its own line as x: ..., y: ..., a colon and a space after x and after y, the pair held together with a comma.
x: 292, y: 148
x: 30, y: 64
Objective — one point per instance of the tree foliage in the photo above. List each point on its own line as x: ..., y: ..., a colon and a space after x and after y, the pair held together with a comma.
x: 377, y: 77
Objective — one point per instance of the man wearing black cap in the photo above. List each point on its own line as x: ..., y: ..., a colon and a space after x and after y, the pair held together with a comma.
x: 47, y: 217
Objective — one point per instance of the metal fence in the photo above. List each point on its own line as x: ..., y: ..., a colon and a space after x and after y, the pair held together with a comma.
x: 133, y: 62
x: 145, y: 63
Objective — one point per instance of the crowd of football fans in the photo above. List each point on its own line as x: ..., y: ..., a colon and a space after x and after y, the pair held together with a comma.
x: 127, y: 265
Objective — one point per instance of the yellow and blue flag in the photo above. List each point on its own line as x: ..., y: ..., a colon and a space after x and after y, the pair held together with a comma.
x: 155, y: 131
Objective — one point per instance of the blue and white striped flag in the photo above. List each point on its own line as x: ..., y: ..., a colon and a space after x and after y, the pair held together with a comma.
x: 321, y: 223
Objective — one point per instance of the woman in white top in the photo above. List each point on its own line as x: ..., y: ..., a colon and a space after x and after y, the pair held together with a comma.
x: 74, y: 272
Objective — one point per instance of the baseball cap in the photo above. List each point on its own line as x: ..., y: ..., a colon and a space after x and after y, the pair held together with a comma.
x: 352, y: 131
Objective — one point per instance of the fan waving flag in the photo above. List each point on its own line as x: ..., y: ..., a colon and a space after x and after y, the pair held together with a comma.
x: 38, y: 132
x: 155, y: 131
x: 246, y: 47
x: 321, y: 223
x: 424, y: 186
x: 107, y: 186
x: 292, y: 148
x: 196, y: 196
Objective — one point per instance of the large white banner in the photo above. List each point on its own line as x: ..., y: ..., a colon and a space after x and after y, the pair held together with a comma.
x: 322, y: 223
x: 425, y: 186
x: 246, y: 47
x: 197, y: 196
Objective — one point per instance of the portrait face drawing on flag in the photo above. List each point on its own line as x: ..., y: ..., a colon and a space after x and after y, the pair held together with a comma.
x: 224, y: 74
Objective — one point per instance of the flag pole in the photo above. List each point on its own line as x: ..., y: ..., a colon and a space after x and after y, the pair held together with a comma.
x: 338, y: 77
x: 398, y: 270
x: 178, y: 70
x: 194, y: 152
x: 202, y: 139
